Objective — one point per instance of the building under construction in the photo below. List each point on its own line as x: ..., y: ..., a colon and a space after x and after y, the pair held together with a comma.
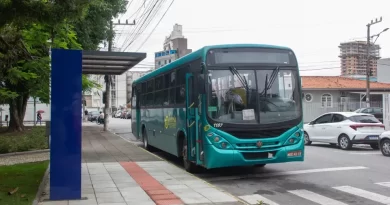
x: 354, y: 58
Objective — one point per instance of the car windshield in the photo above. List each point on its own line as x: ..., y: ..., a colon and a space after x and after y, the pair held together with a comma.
x: 364, y: 119
x: 250, y: 96
x: 95, y: 112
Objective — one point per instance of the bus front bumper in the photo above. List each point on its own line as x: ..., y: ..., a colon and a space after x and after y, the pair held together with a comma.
x: 218, y: 158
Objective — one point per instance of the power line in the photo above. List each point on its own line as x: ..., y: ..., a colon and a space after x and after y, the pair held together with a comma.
x: 141, y: 25
x: 156, y: 25
x: 140, y: 20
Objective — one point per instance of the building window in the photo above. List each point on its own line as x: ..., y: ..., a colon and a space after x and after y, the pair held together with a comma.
x: 326, y: 100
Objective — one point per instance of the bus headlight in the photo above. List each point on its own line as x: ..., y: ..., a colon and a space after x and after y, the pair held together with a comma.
x: 294, y: 139
x: 218, y: 141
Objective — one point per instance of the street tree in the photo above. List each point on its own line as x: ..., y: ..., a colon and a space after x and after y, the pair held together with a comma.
x: 25, y: 28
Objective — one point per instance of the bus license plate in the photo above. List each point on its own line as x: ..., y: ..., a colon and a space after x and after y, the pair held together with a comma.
x: 270, y: 155
x: 373, y: 137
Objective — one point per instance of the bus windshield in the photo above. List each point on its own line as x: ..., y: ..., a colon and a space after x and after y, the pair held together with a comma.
x: 251, y: 96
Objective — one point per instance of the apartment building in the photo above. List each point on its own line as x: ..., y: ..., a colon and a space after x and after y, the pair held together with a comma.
x: 353, y: 57
x: 175, y: 46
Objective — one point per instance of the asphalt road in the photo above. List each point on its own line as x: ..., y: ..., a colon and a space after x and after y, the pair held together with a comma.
x: 328, y: 176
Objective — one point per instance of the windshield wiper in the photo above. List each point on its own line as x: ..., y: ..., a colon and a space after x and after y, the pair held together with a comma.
x: 239, y: 76
x: 272, y: 78
x: 243, y: 81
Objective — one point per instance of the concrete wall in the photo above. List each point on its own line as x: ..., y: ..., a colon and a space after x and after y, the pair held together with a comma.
x: 383, y: 70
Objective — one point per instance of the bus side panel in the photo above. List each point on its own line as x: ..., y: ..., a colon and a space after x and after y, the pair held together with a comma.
x: 163, y: 125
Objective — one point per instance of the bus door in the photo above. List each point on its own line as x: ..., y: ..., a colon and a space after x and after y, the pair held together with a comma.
x: 135, y: 111
x: 192, y: 119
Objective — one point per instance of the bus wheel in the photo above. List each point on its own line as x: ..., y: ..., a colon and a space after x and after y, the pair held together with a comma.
x: 145, y: 140
x: 188, y: 165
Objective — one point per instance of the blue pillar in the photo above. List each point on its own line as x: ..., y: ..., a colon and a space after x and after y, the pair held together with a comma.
x: 65, y: 150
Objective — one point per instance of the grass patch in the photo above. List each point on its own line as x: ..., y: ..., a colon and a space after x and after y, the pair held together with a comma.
x: 26, y: 177
x: 33, y: 138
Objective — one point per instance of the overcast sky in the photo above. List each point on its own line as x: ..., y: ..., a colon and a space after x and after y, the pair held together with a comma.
x: 312, y: 28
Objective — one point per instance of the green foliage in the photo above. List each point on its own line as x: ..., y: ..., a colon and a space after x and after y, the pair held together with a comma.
x: 25, y: 28
x: 33, y: 138
x: 88, y: 84
x: 94, y: 27
x: 26, y: 12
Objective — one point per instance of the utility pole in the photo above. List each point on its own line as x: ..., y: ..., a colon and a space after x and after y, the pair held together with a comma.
x: 368, y: 69
x: 108, y: 78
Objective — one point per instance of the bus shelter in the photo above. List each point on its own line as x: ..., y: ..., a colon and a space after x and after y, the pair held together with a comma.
x: 67, y: 67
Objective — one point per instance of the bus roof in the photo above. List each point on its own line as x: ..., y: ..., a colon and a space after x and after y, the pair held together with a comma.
x: 200, y: 53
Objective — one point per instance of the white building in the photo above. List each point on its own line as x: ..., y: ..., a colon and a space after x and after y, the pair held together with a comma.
x: 383, y: 70
x: 131, y: 76
x: 175, y: 46
x: 30, y: 114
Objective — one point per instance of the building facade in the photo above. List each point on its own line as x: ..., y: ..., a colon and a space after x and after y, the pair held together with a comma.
x: 131, y: 76
x: 323, y: 94
x: 175, y: 46
x: 384, y: 70
x: 353, y: 57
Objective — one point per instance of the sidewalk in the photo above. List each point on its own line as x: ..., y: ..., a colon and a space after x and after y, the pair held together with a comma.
x: 117, y: 172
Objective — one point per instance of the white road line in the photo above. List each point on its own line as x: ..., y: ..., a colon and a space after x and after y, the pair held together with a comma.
x: 360, y: 153
x: 386, y: 184
x: 365, y: 194
x: 306, y: 171
x: 272, y: 174
x: 365, y: 153
x: 323, y: 200
x: 255, y: 199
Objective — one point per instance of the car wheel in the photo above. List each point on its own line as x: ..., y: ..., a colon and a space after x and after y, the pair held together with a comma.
x: 375, y: 146
x: 307, y: 138
x: 345, y: 142
x: 385, y: 147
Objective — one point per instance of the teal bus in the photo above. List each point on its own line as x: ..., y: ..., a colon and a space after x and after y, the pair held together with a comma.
x: 223, y: 106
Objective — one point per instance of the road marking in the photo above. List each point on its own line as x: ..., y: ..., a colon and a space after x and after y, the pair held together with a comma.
x: 272, y: 174
x: 306, y: 171
x: 255, y: 199
x: 317, y: 198
x: 360, y: 153
x: 365, y: 194
x: 365, y: 153
x: 386, y: 184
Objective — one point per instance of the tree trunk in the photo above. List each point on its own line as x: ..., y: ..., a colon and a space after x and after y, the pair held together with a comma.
x: 17, y: 110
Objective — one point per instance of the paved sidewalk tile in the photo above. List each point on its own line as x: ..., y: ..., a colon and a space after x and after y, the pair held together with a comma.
x: 116, y: 172
x: 190, y: 189
x: 105, y: 184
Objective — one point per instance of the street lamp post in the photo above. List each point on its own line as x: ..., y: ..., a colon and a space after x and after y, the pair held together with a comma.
x: 368, y: 69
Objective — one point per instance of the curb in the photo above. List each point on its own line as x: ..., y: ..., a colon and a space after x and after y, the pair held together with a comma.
x: 140, y: 147
x: 41, y: 187
x: 130, y: 141
x: 27, y: 152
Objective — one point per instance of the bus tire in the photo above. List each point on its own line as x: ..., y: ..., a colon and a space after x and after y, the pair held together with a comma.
x: 188, y: 165
x: 145, y: 140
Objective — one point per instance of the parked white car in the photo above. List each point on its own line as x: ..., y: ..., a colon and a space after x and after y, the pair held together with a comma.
x: 384, y: 143
x: 344, y: 129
